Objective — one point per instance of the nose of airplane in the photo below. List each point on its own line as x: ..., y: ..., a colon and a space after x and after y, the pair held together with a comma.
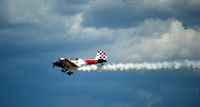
x: 58, y: 64
x: 55, y: 64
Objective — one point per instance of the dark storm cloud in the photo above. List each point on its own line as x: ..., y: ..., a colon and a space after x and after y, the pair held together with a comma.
x: 33, y: 34
x: 69, y: 7
x: 127, y: 13
x: 119, y: 14
x: 4, y: 24
x: 28, y: 25
x: 51, y: 26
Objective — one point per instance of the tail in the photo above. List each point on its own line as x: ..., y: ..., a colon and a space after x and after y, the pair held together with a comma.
x: 101, y: 55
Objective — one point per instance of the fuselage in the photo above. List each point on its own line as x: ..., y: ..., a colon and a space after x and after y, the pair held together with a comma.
x: 78, y: 62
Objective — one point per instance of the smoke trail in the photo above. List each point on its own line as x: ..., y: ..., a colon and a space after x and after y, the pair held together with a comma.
x: 173, y: 65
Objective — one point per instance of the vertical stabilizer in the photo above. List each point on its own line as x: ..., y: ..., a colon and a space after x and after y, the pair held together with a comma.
x: 100, y: 55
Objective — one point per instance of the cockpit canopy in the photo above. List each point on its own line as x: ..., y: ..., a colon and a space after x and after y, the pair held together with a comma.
x: 73, y: 58
x: 68, y: 59
x: 61, y: 59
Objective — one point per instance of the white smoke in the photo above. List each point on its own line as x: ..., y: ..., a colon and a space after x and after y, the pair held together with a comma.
x: 173, y: 65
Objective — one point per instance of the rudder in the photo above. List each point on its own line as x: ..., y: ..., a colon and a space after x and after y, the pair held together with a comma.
x: 100, y: 55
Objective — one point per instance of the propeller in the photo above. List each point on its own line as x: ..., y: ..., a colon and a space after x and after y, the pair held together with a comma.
x: 54, y: 64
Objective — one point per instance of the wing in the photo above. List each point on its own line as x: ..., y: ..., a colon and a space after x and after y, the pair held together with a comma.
x: 69, y: 64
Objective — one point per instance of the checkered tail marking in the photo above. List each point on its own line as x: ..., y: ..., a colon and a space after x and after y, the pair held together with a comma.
x: 101, y: 55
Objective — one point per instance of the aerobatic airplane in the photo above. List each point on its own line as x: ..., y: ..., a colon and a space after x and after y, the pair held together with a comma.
x: 68, y: 65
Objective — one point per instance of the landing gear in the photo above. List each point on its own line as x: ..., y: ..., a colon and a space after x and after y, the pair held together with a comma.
x: 63, y: 70
x: 69, y: 73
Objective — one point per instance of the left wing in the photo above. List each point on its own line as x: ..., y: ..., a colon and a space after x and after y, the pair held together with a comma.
x: 67, y: 63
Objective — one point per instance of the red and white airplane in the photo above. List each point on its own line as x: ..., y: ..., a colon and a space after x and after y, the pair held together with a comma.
x: 69, y: 64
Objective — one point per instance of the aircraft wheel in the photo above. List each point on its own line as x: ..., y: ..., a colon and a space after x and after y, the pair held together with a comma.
x: 70, y: 73
x: 63, y: 71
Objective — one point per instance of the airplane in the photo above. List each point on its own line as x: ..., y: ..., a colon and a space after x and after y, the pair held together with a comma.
x: 68, y: 65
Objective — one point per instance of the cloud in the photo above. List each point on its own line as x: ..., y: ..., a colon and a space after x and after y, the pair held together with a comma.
x: 44, y: 24
x: 35, y: 33
x: 128, y: 13
x: 177, y: 42
x: 26, y: 25
x: 27, y: 11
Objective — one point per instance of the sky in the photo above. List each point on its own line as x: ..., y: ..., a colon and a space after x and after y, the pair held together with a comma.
x: 33, y: 34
